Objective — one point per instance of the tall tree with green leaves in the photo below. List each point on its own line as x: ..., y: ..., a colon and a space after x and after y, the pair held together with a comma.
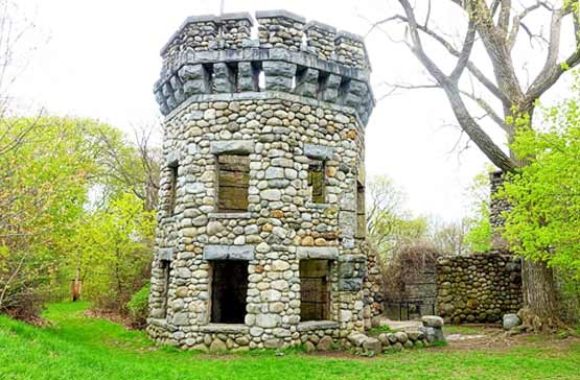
x: 543, y: 224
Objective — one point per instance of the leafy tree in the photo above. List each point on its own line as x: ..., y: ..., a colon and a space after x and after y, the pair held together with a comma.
x: 43, y: 182
x: 65, y: 213
x: 479, y: 234
x: 544, y: 221
x: 113, y: 250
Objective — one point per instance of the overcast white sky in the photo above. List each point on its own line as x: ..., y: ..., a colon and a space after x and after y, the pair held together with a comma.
x: 99, y: 59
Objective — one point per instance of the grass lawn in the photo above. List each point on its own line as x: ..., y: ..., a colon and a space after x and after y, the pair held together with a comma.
x: 77, y: 347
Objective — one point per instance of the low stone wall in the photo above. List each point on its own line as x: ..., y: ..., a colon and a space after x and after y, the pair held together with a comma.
x: 478, y: 288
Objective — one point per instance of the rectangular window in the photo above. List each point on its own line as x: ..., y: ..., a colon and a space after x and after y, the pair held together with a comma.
x: 165, y: 269
x: 233, y: 182
x: 316, y: 181
x: 361, y: 222
x: 173, y: 169
x: 229, y: 289
x: 314, y: 294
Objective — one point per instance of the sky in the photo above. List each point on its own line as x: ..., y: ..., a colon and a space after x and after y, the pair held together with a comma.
x: 99, y: 59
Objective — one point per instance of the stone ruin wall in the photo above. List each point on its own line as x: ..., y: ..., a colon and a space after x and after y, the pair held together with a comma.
x: 299, y: 91
x: 478, y: 288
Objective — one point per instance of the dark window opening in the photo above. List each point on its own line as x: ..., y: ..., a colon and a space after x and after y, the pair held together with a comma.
x: 233, y: 181
x: 322, y: 82
x: 316, y: 181
x: 165, y: 269
x: 229, y: 290
x: 173, y: 172
x: 361, y: 222
x: 344, y: 87
x: 314, y: 294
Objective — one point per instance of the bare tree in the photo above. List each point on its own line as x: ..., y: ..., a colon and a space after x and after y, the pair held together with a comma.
x: 135, y: 166
x: 14, y: 27
x: 495, y: 28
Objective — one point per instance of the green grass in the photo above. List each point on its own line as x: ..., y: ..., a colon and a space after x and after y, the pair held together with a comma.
x: 380, y: 329
x: 463, y: 330
x: 75, y: 347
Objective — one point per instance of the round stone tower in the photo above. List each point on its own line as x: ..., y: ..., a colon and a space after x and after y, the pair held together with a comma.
x: 261, y: 226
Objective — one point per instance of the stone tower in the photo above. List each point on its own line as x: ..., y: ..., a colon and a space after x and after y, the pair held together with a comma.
x: 261, y: 226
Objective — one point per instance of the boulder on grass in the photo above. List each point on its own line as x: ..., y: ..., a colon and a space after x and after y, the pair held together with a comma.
x: 510, y: 321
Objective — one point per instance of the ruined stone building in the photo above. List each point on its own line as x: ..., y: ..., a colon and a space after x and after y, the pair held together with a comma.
x: 261, y: 226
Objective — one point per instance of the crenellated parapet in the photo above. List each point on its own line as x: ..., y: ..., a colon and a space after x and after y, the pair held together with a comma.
x: 216, y: 55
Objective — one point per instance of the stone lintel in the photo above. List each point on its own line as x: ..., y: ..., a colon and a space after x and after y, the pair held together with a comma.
x: 321, y: 152
x: 228, y: 252
x: 323, y: 253
x: 232, y: 146
x: 231, y: 328
x: 172, y: 158
x: 278, y: 13
x: 165, y: 254
x: 317, y: 325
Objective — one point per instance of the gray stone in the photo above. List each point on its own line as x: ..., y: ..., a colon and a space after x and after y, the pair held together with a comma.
x: 228, y: 252
x: 432, y: 321
x: 401, y: 336
x: 320, y: 152
x: 232, y: 146
x: 509, y: 321
x: 350, y: 284
x: 415, y: 335
x: 357, y: 339
x: 372, y: 345
x: 326, y: 253
x: 325, y: 344
x: 217, y: 346
x: 165, y: 254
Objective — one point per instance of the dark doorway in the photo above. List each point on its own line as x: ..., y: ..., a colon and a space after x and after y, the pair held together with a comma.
x: 229, y: 290
x: 314, y: 295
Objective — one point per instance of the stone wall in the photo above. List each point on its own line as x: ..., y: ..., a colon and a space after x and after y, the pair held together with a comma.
x: 478, y: 288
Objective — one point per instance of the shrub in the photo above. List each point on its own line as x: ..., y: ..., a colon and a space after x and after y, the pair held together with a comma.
x: 138, y: 307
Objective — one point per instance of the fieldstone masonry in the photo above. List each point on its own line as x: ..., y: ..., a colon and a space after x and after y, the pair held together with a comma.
x: 298, y: 93
x: 478, y: 288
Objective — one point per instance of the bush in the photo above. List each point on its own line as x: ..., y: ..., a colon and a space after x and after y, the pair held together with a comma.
x: 25, y: 306
x: 138, y: 307
x: 408, y: 264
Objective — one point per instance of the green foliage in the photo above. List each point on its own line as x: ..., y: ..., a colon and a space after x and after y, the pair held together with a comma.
x: 113, y: 250
x: 138, y: 306
x: 44, y: 178
x: 478, y: 237
x: 544, y: 221
x: 77, y: 347
x: 72, y: 206
x: 380, y: 330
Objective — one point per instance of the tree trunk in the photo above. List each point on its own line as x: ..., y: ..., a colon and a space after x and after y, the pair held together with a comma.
x: 540, y: 292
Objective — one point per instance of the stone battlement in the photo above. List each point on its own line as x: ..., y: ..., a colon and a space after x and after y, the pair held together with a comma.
x: 213, y: 55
